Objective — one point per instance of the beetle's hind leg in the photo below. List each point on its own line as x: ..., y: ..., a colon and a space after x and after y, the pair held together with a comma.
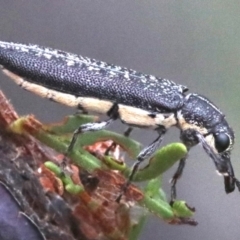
x: 146, y: 153
x: 96, y: 126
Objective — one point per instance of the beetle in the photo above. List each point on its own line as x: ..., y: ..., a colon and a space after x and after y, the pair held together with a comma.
x: 137, y: 99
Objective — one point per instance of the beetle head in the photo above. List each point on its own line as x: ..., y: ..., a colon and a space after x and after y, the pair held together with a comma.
x: 202, y: 122
x: 220, y: 151
x: 217, y: 143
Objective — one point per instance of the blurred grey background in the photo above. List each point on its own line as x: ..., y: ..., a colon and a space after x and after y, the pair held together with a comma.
x: 192, y: 42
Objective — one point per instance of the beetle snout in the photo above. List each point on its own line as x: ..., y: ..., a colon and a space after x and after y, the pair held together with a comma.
x: 226, y: 169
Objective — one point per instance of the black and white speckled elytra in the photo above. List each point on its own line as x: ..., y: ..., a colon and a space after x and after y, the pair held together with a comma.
x: 137, y: 99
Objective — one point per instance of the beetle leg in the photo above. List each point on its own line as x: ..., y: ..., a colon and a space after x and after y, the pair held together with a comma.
x: 126, y: 133
x: 189, y: 139
x: 96, y: 126
x: 143, y: 155
x: 175, y: 178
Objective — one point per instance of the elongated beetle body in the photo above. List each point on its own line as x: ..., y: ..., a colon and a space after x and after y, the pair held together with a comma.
x: 136, y: 99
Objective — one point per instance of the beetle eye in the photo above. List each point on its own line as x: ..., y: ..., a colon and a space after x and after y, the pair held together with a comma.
x: 222, y: 142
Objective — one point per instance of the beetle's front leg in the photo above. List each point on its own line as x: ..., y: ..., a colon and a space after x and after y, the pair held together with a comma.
x: 189, y: 139
x: 146, y: 153
x: 175, y: 178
